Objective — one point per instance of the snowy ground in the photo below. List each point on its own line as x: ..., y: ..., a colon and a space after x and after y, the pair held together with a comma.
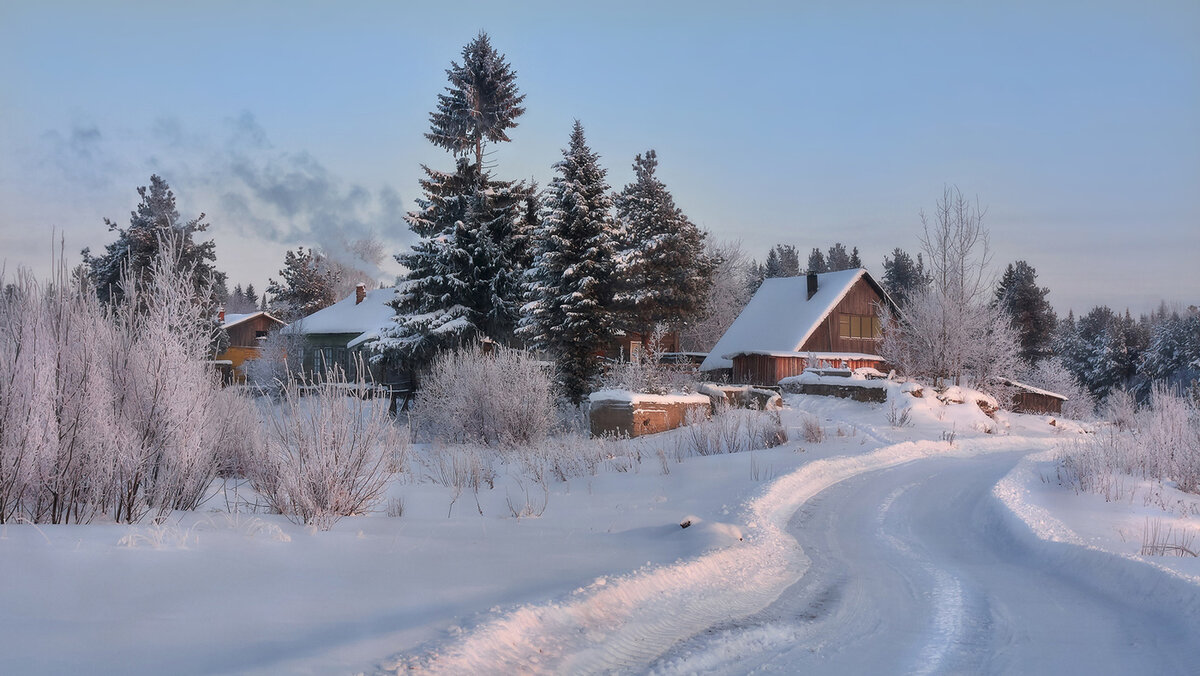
x: 606, y: 580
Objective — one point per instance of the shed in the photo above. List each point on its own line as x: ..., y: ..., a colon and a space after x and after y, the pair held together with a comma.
x: 1030, y: 399
x: 793, y: 323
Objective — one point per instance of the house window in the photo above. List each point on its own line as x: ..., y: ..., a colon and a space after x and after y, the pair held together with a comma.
x: 859, y: 326
x: 260, y: 335
x: 635, y: 350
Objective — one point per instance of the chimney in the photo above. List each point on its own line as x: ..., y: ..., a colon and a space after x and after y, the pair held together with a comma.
x: 812, y: 284
x: 221, y: 315
x: 360, y: 292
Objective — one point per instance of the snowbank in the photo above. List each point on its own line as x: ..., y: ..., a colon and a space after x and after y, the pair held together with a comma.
x: 1032, y: 493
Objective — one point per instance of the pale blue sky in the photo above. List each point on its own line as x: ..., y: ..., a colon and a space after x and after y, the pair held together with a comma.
x: 1076, y: 124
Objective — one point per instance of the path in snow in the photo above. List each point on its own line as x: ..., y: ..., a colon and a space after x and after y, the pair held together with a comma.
x: 919, y: 569
x: 623, y: 624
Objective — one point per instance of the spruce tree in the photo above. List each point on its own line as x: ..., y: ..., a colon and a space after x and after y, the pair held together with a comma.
x: 462, y: 280
x: 307, y: 285
x: 855, y: 261
x: 816, y: 262
x: 153, y: 222
x: 838, y: 258
x: 663, y: 272
x: 569, y: 289
x: 904, y: 278
x: 1025, y: 302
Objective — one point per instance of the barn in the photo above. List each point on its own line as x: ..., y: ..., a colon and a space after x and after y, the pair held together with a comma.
x: 792, y: 323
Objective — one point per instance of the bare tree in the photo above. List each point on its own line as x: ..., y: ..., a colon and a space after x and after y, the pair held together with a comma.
x: 948, y: 332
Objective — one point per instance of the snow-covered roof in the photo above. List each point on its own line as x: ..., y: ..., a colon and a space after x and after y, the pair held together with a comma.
x: 1032, y: 390
x: 780, y: 317
x: 811, y: 356
x: 345, y: 316
x: 231, y: 319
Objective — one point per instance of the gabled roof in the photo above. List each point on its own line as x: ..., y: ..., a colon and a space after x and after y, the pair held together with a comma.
x: 346, y: 316
x: 232, y: 319
x: 780, y: 317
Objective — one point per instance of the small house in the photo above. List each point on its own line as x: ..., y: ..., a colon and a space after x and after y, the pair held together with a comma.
x: 340, y: 334
x: 792, y: 323
x: 246, y: 335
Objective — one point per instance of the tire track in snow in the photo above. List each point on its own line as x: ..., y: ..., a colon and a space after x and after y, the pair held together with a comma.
x: 947, y: 595
x: 626, y: 622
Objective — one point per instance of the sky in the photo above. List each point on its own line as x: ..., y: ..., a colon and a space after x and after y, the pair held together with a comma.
x: 1076, y: 125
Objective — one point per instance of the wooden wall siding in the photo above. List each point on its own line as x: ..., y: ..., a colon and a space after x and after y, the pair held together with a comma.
x: 757, y: 369
x: 861, y: 299
x: 1030, y: 402
x: 243, y: 334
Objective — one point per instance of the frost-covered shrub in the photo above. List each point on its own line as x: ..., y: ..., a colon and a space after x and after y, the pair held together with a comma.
x: 108, y: 409
x: 468, y: 396
x: 326, y: 452
x: 279, y: 355
x: 1160, y: 442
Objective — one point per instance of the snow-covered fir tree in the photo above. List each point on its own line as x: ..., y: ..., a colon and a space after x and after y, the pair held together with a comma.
x: 839, y: 258
x: 1173, y: 355
x: 1020, y: 296
x: 460, y: 282
x: 782, y: 261
x: 816, y: 262
x: 155, y: 221
x: 307, y: 285
x: 569, y: 289
x: 481, y: 104
x: 462, y: 279
x: 903, y: 277
x: 663, y: 270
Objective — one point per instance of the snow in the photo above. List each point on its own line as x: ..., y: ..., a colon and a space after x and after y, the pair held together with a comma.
x: 232, y: 319
x: 1032, y: 389
x: 606, y: 580
x: 1055, y: 514
x: 780, y: 317
x: 641, y: 397
x: 346, y: 316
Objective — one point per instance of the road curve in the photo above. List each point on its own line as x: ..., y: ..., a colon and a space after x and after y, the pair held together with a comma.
x: 917, y: 570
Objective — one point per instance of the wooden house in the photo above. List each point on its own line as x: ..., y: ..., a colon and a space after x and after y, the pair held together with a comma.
x: 792, y: 323
x: 340, y: 334
x: 246, y: 334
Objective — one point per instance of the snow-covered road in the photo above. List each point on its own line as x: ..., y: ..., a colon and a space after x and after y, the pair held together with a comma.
x: 919, y: 569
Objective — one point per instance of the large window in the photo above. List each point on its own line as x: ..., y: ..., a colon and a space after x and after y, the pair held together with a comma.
x: 859, y: 326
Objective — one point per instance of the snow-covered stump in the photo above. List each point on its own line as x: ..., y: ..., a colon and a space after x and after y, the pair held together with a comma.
x: 633, y: 414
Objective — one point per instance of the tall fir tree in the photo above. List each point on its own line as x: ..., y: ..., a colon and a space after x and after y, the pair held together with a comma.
x: 151, y: 224
x: 904, y: 278
x: 464, y: 274
x: 816, y: 262
x: 663, y: 271
x: 1025, y: 302
x: 481, y: 104
x: 569, y: 289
